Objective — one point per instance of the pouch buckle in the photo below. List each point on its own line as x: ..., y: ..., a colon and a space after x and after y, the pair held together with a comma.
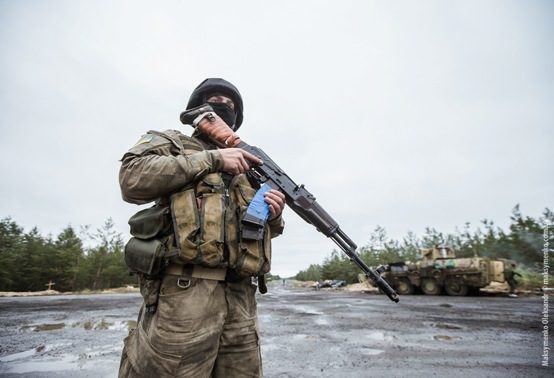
x: 183, y: 283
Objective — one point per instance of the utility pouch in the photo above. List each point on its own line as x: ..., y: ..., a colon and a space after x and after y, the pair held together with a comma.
x: 145, y: 256
x: 199, y: 222
x: 151, y: 223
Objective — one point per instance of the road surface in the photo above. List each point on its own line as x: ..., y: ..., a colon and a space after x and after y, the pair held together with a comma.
x: 305, y: 333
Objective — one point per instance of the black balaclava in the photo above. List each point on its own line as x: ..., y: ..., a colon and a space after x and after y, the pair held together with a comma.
x: 222, y: 87
x: 225, y: 112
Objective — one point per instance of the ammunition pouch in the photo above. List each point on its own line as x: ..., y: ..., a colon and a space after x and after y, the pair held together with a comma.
x: 208, y: 231
x: 253, y: 256
x: 151, y: 245
x: 151, y: 223
x: 198, y: 221
x: 144, y: 256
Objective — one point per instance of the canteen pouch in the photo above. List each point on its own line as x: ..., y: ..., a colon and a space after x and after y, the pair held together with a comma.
x: 152, y: 222
x: 145, y: 256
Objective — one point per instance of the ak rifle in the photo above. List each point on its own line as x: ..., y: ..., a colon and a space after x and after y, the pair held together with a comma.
x: 300, y: 200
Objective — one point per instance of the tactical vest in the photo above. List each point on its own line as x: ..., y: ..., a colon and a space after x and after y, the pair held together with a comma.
x: 206, y: 217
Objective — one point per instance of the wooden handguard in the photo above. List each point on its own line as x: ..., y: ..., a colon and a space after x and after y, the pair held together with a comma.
x: 218, y: 131
x: 209, y: 123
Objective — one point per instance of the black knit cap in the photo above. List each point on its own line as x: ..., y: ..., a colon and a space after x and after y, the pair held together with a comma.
x: 212, y: 86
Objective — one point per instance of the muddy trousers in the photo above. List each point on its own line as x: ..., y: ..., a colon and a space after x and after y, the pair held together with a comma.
x: 513, y: 285
x: 202, y: 328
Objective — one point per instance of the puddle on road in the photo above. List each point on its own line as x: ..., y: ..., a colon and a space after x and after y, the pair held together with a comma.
x: 18, y: 356
x: 42, y: 327
x: 64, y: 362
x: 306, y: 310
x: 447, y: 326
x: 322, y: 321
x: 378, y: 336
x: 59, y: 364
x: 39, y: 360
x: 303, y: 336
x: 270, y: 347
x: 445, y: 337
x: 372, y: 352
x: 31, y: 352
x: 89, y: 325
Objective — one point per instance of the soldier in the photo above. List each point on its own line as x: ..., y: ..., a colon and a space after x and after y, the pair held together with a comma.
x: 510, y: 276
x: 199, y: 316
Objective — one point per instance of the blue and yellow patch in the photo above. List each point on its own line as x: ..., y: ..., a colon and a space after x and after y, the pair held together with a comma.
x: 146, y: 138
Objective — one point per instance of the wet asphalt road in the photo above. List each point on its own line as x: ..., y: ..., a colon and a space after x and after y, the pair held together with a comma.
x: 305, y: 333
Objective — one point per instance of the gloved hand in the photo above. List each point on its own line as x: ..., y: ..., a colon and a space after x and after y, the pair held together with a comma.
x: 216, y: 129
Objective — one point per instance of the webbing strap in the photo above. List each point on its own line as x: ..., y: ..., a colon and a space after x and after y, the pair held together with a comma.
x: 197, y: 271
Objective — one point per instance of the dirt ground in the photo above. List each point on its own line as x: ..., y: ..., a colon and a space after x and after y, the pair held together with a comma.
x: 305, y: 333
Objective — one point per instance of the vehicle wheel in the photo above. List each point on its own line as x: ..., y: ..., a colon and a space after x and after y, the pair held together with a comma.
x: 404, y: 287
x: 456, y: 289
x: 435, y: 274
x: 429, y: 286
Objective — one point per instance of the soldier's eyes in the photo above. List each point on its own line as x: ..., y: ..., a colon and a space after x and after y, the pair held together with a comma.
x: 223, y: 100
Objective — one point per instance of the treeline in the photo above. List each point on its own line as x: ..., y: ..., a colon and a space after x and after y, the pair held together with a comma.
x: 29, y: 260
x: 522, y: 242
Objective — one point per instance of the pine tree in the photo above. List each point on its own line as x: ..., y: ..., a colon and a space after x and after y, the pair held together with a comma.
x: 69, y: 256
x: 11, y: 244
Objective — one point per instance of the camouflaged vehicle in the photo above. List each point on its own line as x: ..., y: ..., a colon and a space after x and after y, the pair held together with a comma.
x: 439, y: 270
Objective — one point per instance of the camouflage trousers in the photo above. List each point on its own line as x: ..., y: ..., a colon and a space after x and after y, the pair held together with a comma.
x: 513, y: 285
x: 208, y: 329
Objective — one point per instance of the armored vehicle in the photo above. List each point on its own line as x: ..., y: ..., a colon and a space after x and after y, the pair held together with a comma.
x: 439, y: 270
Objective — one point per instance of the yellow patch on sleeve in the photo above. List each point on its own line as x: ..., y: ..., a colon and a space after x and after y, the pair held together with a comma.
x: 146, y: 138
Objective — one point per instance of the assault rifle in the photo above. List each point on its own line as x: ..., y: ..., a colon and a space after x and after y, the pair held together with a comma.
x: 297, y: 197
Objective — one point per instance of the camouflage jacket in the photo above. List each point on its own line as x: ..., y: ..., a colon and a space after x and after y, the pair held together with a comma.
x: 185, y: 171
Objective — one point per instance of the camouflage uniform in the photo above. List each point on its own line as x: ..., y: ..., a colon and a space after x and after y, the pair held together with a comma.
x: 510, y: 276
x: 201, y: 327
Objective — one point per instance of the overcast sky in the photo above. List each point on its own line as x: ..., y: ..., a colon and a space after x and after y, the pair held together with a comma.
x: 402, y: 114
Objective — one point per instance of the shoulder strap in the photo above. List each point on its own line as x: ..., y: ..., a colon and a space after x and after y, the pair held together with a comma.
x: 172, y: 138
